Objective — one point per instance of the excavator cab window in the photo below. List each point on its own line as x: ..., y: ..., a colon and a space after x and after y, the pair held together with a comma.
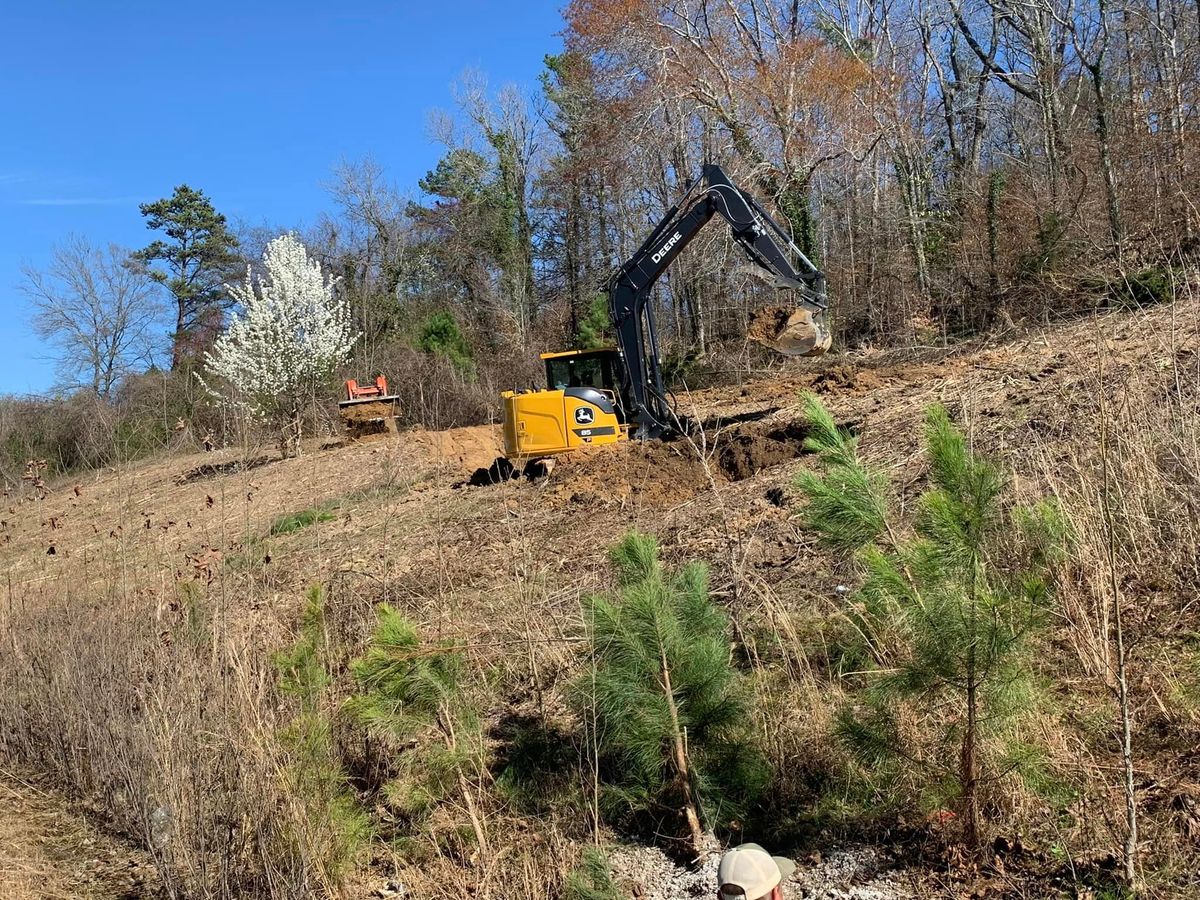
x: 594, y: 370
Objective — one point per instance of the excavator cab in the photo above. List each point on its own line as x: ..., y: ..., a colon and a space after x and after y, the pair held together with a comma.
x: 582, y: 405
x: 583, y: 368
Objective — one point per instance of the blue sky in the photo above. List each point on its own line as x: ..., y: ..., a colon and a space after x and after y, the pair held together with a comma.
x: 110, y: 103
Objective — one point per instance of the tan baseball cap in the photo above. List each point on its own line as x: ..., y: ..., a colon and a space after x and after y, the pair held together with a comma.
x: 749, y: 872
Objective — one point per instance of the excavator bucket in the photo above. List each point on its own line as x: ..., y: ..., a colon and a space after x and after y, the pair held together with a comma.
x: 790, y: 331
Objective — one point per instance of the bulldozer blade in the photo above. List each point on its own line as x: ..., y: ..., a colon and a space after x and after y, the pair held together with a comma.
x: 790, y: 331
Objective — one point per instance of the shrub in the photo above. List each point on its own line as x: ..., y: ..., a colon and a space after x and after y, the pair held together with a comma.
x: 1149, y: 287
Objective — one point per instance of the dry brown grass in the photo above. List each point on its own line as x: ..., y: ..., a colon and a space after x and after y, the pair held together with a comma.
x: 27, y: 871
x: 50, y: 849
x: 138, y: 655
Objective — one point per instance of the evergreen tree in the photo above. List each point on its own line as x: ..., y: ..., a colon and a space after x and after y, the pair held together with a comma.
x: 407, y: 693
x: 945, y: 615
x: 595, y: 328
x: 197, y: 257
x: 441, y: 335
x: 671, y: 718
x: 480, y: 230
x: 334, y: 826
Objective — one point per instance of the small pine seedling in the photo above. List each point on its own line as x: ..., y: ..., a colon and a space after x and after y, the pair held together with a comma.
x: 334, y: 828
x: 407, y: 690
x: 671, y: 718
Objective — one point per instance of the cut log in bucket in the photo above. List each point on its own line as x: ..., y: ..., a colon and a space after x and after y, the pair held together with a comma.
x: 789, y: 330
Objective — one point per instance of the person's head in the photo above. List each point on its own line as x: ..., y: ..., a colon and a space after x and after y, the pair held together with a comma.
x: 749, y: 872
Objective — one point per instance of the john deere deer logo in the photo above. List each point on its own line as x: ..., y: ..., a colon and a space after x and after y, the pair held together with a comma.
x: 584, y: 415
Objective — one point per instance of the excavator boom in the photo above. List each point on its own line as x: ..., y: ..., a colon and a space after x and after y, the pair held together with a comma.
x: 800, y: 331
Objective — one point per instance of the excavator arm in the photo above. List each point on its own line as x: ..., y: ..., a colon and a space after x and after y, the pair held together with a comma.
x: 802, y: 333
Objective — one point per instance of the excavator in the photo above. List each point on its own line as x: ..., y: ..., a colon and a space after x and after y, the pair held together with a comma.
x: 616, y: 393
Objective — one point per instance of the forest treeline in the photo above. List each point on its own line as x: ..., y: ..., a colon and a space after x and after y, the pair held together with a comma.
x: 953, y: 165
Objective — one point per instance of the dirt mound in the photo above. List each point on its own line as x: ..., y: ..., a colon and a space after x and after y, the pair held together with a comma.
x: 456, y: 450
x: 369, y: 418
x: 667, y: 472
x: 655, y: 472
x: 846, y: 378
x: 744, y: 452
x: 369, y: 411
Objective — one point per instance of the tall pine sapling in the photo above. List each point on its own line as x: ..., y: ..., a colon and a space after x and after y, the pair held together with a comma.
x: 945, y: 615
x: 332, y: 827
x: 292, y: 332
x: 409, y: 695
x: 672, y: 719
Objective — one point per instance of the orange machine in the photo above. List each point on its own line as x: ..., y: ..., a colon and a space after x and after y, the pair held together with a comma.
x: 356, y: 391
x: 369, y: 408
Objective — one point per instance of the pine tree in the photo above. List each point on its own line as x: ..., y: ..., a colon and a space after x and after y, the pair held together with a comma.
x: 198, y: 257
x: 946, y: 615
x: 407, y: 693
x: 595, y: 328
x: 334, y: 826
x: 441, y: 335
x: 671, y: 718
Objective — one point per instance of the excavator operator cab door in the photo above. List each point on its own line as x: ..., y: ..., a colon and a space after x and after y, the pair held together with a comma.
x: 586, y: 369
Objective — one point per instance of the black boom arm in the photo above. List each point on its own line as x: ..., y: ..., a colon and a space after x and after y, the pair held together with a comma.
x: 633, y: 317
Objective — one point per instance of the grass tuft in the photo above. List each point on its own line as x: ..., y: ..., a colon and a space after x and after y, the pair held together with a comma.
x: 293, y: 522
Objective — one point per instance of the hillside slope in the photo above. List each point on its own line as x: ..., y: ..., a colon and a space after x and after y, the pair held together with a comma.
x: 123, y: 569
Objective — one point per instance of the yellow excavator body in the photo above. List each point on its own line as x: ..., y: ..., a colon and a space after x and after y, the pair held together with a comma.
x: 579, y: 408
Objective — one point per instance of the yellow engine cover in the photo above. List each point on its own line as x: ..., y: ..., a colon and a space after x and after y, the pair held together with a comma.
x: 543, y: 423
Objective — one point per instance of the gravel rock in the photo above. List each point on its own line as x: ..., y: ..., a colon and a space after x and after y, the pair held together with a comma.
x: 853, y: 874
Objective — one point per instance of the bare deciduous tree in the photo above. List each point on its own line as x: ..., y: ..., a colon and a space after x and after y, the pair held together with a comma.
x: 98, y: 308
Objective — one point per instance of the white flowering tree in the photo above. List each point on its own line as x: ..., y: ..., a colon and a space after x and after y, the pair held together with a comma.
x: 292, y: 331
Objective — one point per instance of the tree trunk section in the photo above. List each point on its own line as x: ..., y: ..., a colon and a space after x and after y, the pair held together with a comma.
x: 682, y: 767
x: 969, y: 773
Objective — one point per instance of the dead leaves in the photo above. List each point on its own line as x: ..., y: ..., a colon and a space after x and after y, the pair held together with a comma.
x: 205, y: 563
